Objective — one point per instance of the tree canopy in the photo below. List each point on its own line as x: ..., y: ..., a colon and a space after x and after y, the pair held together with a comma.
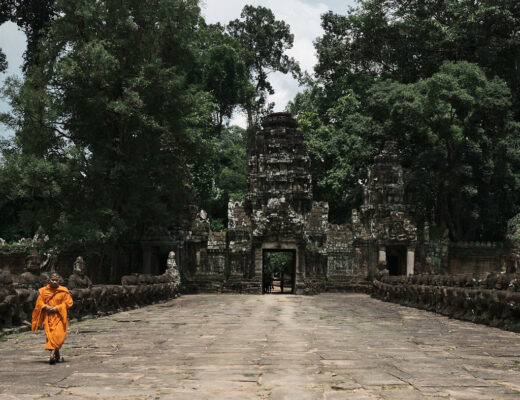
x: 121, y: 117
x: 119, y: 104
x: 264, y: 42
x: 441, y: 78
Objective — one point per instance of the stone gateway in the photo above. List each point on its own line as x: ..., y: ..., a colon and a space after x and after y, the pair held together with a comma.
x: 279, y: 215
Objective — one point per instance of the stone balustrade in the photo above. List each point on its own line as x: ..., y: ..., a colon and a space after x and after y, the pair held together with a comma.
x: 492, y: 300
x: 16, y: 304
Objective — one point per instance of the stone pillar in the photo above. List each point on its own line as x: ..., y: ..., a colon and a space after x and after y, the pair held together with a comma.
x: 372, y: 259
x: 259, y: 261
x: 410, y: 260
x: 299, y: 259
x: 147, y: 259
x: 382, y: 256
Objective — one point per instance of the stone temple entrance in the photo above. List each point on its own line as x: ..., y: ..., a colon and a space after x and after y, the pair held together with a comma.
x: 278, y: 213
x: 278, y: 271
x: 396, y: 260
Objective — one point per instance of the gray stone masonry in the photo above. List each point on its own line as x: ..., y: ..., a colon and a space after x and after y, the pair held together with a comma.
x: 325, y: 347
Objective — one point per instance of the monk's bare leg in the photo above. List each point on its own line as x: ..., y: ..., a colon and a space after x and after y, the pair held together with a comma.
x: 52, y: 359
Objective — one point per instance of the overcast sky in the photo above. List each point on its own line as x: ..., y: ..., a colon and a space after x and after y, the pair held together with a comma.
x: 303, y: 16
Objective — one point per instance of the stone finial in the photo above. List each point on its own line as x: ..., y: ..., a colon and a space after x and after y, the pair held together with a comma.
x: 39, y: 237
x: 389, y: 154
x: 172, y: 270
x: 79, y: 266
x: 279, y: 119
x: 170, y: 262
x: 203, y: 215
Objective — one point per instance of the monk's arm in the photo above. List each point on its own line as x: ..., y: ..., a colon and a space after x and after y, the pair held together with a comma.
x: 37, y: 316
x: 66, y: 303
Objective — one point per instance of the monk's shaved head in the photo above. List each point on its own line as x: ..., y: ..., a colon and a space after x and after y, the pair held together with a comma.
x: 54, y: 280
x: 55, y: 275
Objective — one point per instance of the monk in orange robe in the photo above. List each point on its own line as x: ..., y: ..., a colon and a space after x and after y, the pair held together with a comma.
x: 51, y: 313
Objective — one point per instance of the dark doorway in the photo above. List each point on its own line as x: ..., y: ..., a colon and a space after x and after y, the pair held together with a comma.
x: 396, y: 260
x: 278, y: 271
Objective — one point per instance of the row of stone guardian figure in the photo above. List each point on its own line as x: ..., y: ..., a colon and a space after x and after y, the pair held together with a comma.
x: 17, y: 297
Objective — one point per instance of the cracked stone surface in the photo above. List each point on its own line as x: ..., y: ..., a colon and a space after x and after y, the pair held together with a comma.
x: 330, y: 346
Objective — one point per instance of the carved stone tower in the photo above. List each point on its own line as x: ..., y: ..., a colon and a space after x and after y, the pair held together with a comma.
x: 279, y: 167
x: 280, y: 191
x: 384, y: 223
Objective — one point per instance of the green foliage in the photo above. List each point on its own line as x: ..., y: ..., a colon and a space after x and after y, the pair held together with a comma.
x: 233, y: 163
x: 513, y: 229
x: 458, y: 138
x: 226, y: 177
x: 113, y: 119
x: 120, y: 118
x: 3, y: 61
x: 459, y: 143
x: 278, y: 262
x: 342, y: 142
x: 383, y: 73
x: 409, y: 40
x: 34, y: 17
x: 15, y: 248
x: 6, y: 12
x: 227, y: 79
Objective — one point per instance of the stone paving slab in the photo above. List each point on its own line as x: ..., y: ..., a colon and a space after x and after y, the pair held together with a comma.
x: 327, y: 347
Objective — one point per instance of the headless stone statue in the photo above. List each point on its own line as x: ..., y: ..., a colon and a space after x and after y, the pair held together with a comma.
x: 39, y: 237
x: 382, y: 270
x: 428, y: 266
x: 78, y: 279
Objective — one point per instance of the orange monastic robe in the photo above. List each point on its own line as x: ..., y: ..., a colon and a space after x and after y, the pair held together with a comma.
x: 55, y: 324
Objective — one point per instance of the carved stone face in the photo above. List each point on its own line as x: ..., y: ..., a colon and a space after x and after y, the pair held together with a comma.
x: 32, y: 263
x: 5, y: 278
x: 79, y: 266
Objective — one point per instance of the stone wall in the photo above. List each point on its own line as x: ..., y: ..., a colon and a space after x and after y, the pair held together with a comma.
x: 492, y: 300
x: 476, y: 258
x: 315, y: 231
x: 217, y: 254
x: 432, y: 256
x: 346, y: 271
x: 211, y: 273
x: 16, y: 305
x: 240, y: 263
x: 12, y: 259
